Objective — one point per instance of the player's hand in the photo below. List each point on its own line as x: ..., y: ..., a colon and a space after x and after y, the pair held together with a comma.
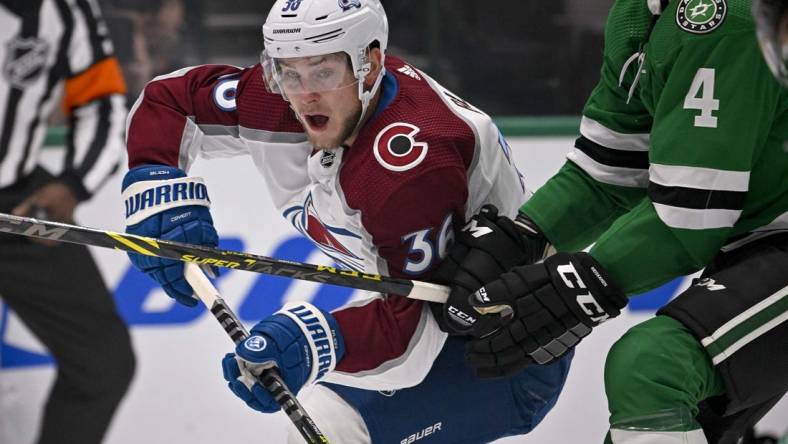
x: 281, y: 341
x: 54, y: 200
x: 554, y: 304
x: 162, y: 202
x: 488, y: 246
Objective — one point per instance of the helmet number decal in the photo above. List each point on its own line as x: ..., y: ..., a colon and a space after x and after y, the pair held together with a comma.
x: 397, y: 149
x: 291, y: 5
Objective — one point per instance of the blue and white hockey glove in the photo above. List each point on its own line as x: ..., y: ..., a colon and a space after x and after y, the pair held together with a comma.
x: 301, y: 340
x: 162, y: 202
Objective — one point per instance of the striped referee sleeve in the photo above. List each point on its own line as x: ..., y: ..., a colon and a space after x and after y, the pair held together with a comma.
x: 697, y: 198
x: 95, y: 101
x: 611, y: 157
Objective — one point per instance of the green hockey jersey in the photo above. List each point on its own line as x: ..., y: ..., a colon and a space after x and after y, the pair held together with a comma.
x: 683, y: 145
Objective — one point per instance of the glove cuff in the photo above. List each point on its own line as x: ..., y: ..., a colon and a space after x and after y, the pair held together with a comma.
x: 150, y: 190
x: 322, y: 336
x: 540, y: 245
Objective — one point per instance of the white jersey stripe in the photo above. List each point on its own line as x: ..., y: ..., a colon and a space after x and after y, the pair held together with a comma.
x: 700, y: 178
x: 692, y: 219
x: 625, y: 177
x: 723, y: 355
x: 406, y: 370
x: 602, y: 135
x: 621, y: 436
x: 743, y: 316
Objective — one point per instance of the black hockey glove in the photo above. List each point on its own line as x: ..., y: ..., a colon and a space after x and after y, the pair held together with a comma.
x: 488, y: 246
x: 555, y: 304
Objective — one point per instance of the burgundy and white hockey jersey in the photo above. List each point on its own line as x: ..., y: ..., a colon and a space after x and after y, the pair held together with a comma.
x: 388, y: 204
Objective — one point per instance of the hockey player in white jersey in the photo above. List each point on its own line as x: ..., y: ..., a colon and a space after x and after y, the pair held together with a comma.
x: 378, y: 165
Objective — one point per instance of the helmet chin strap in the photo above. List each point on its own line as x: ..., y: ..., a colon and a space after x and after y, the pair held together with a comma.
x: 366, y: 97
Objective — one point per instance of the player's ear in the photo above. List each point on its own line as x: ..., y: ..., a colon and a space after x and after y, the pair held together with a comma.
x: 376, y: 57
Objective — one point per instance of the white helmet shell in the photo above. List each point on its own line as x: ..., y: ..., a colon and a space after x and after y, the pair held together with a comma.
x: 306, y: 28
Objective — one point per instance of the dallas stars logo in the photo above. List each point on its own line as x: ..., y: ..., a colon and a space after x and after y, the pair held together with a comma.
x: 701, y: 16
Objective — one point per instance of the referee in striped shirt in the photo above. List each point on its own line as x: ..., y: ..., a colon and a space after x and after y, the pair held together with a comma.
x: 57, y: 52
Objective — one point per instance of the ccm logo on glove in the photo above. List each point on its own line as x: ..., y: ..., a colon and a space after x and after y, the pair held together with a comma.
x: 586, y: 301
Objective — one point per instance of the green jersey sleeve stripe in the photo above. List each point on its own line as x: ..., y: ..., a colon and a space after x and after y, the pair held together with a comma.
x: 693, y: 219
x: 612, y: 157
x: 602, y: 135
x: 695, y: 198
x: 624, y: 177
x: 702, y: 178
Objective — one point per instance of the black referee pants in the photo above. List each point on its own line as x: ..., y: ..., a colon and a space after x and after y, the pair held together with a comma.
x: 59, y: 294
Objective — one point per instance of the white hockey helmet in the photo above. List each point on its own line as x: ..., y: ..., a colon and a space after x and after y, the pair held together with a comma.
x: 308, y: 28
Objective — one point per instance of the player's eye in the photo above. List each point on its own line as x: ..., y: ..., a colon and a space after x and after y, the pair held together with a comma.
x: 291, y: 77
x: 324, y: 74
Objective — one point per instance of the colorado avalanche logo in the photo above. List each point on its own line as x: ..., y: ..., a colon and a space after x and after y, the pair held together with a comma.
x: 349, y: 4
x: 396, y: 147
x: 306, y: 220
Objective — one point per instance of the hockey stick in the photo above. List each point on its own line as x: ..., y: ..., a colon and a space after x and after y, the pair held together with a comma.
x: 235, y: 260
x: 269, y: 378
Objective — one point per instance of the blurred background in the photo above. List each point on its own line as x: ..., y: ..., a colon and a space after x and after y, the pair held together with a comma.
x: 508, y: 57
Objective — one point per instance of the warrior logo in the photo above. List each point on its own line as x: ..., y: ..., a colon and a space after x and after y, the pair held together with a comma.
x: 25, y: 60
x: 292, y: 5
x: 349, y: 4
x: 701, y: 16
x: 255, y: 343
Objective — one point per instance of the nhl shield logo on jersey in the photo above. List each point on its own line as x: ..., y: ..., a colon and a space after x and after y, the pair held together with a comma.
x: 701, y: 16
x: 25, y: 60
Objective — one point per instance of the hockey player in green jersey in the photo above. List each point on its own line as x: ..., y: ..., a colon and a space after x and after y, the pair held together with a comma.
x: 681, y: 165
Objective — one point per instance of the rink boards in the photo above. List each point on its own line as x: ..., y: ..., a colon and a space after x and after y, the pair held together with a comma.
x: 178, y: 395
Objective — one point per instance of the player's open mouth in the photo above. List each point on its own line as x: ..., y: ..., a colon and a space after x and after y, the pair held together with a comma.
x: 317, y: 121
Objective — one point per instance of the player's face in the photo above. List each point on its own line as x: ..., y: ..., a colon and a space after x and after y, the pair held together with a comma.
x: 324, y: 94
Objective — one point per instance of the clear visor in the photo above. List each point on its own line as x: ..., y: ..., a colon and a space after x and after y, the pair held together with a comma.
x: 771, y: 18
x: 305, y: 75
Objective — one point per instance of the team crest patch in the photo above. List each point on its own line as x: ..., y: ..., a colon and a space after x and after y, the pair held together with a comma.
x: 396, y: 148
x: 701, y: 16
